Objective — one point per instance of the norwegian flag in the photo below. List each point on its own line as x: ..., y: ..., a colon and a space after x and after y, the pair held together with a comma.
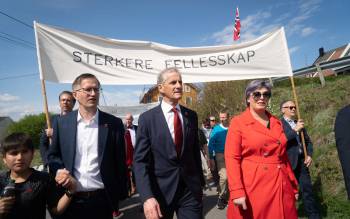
x: 237, y: 28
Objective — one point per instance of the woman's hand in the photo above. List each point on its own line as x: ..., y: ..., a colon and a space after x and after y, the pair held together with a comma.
x: 240, y: 202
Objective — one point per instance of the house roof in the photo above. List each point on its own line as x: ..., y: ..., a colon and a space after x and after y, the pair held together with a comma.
x: 334, y: 54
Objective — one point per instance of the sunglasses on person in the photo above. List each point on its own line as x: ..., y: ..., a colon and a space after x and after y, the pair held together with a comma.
x: 290, y: 107
x: 257, y: 95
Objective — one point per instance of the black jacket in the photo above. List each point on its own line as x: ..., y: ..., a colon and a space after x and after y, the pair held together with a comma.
x: 293, y: 144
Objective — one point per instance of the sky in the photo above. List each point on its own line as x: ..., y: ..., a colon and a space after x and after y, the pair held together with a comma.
x: 309, y: 25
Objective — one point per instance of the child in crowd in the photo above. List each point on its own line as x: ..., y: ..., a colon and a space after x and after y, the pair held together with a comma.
x: 34, y: 190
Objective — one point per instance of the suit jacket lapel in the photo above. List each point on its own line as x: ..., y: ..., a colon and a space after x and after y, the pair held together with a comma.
x: 185, y: 118
x: 258, y: 127
x: 72, y: 136
x: 102, y: 134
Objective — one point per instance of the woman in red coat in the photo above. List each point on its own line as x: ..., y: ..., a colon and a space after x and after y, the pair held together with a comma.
x: 261, y: 182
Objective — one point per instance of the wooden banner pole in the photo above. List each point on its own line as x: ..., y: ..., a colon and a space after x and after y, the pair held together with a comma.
x: 298, y: 114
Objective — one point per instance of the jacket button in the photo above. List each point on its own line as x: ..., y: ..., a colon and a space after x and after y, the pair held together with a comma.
x: 265, y: 145
x: 279, y: 166
x: 266, y: 154
x: 265, y: 168
x: 278, y: 142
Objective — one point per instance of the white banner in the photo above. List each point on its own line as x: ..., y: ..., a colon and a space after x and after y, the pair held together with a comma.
x: 64, y: 54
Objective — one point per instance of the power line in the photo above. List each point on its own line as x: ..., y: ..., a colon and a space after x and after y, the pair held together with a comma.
x: 17, y: 38
x: 17, y: 76
x: 15, y: 19
x: 16, y: 42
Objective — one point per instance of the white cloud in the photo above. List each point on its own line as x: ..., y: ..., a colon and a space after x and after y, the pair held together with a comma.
x: 306, y: 9
x: 8, y: 97
x: 293, y: 49
x: 17, y: 111
x: 307, y: 31
x: 257, y: 24
x: 254, y: 26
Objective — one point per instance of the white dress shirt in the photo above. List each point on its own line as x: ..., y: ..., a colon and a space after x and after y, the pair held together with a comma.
x: 169, y: 117
x: 132, y: 135
x: 292, y: 124
x: 86, y: 168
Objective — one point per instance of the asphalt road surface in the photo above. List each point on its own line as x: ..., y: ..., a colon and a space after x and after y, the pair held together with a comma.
x: 131, y: 208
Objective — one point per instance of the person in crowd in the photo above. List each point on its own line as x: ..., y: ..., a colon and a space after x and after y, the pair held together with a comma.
x: 167, y: 161
x: 88, y: 144
x: 342, y: 140
x: 33, y: 190
x: 206, y: 128
x: 261, y: 181
x: 130, y: 141
x: 212, y: 120
x: 66, y: 102
x: 203, y: 145
x: 292, y: 128
x: 217, y: 147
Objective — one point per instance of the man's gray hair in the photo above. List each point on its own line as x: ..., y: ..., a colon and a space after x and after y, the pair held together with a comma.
x: 254, y: 85
x: 161, y: 78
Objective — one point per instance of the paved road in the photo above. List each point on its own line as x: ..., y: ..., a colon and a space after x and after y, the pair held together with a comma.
x: 131, y: 208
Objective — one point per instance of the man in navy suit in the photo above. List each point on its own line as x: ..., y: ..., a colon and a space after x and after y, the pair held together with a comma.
x: 88, y: 146
x: 292, y: 130
x: 167, y: 161
x: 67, y: 102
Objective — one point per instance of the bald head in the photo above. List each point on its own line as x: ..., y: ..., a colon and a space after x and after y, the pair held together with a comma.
x: 128, y: 120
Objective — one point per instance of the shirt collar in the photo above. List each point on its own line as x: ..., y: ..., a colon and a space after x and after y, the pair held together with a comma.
x: 288, y: 120
x: 223, y: 127
x: 166, y: 107
x: 93, y: 120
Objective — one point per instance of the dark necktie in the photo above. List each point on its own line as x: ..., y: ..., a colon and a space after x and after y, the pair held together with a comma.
x: 177, y: 132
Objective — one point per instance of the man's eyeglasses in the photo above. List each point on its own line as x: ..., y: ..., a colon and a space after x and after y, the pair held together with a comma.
x: 290, y: 107
x: 89, y: 90
x: 257, y: 95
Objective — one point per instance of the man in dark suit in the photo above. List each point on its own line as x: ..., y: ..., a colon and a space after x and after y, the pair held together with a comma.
x: 292, y: 129
x: 167, y: 161
x: 67, y: 102
x: 88, y: 146
x: 342, y: 139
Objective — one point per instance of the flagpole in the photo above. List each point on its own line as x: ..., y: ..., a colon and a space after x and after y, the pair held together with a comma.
x: 298, y: 114
x: 43, y: 87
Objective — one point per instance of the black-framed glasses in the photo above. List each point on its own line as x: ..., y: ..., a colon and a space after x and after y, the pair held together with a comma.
x: 257, y: 95
x: 290, y: 107
x: 90, y: 89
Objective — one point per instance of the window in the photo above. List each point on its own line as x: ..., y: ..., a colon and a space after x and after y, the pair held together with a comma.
x: 187, y: 88
x: 188, y: 100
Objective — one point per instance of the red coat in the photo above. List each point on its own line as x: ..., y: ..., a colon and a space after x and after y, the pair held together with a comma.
x: 258, y: 168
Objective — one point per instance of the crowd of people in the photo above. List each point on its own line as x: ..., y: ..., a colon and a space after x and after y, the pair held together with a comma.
x: 93, y: 160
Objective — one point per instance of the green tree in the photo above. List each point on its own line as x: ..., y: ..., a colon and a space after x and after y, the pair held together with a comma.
x: 221, y: 95
x: 30, y: 124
